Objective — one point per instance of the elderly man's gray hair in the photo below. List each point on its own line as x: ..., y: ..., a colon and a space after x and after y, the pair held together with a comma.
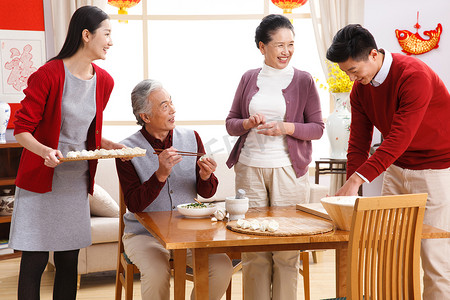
x: 139, y: 97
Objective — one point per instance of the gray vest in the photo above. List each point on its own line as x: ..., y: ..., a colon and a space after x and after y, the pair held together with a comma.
x: 180, y: 187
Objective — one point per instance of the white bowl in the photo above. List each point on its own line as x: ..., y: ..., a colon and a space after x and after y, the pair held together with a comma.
x: 194, y: 212
x: 340, y: 210
x: 236, y: 208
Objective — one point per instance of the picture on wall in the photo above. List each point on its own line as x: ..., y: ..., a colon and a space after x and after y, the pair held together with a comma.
x: 21, y: 54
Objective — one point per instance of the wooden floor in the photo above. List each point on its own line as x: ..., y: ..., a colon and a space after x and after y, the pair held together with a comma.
x: 100, y: 286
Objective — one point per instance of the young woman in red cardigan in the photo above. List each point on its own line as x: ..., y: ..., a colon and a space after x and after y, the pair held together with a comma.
x: 61, y: 112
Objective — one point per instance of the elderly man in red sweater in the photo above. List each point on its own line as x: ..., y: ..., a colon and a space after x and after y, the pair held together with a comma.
x: 409, y: 104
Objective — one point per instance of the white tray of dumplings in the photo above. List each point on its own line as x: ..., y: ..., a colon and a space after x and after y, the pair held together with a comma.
x: 103, y: 153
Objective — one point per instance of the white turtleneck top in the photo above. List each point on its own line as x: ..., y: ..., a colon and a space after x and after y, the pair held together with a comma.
x: 268, y: 151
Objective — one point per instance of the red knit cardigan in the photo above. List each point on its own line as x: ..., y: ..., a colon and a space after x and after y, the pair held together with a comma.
x: 40, y: 115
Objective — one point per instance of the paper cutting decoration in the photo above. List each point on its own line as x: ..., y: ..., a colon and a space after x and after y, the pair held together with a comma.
x: 413, y: 43
x: 21, y: 67
x: 21, y: 54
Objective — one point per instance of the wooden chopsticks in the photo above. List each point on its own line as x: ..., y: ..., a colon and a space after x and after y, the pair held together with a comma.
x: 183, y: 153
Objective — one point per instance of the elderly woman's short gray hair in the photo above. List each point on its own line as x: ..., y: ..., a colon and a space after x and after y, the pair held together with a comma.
x: 139, y: 98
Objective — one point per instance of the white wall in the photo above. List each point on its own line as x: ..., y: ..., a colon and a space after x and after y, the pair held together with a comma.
x: 382, y: 17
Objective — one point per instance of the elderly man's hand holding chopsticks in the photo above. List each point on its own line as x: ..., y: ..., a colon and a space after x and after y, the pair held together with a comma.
x: 167, y: 159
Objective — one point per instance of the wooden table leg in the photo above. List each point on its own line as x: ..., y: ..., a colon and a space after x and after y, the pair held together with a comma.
x: 201, y: 263
x: 341, y: 272
x: 179, y: 273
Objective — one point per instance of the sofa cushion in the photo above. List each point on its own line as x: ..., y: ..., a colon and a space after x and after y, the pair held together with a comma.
x: 104, y: 230
x: 102, y: 204
x: 226, y: 179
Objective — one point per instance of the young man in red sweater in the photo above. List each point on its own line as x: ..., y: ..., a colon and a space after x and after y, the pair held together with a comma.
x: 409, y: 104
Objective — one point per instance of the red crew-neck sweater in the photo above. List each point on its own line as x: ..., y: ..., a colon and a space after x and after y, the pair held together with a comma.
x: 411, y: 109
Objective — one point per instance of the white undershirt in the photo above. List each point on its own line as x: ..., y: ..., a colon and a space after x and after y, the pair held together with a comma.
x: 268, y: 151
x: 382, y: 74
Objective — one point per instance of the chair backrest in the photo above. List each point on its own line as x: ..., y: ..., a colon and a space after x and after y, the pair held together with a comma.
x: 384, y: 247
x: 122, y: 211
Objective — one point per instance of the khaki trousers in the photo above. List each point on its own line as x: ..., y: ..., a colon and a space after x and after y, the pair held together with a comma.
x: 152, y: 259
x: 271, y: 275
x: 435, y: 253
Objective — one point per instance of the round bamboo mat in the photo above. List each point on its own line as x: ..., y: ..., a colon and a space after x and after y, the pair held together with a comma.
x: 289, y: 226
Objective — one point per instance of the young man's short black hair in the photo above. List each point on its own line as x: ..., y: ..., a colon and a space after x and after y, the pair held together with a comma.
x: 353, y: 41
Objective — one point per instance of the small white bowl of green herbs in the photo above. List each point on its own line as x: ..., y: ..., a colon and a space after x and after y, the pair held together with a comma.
x: 197, y: 210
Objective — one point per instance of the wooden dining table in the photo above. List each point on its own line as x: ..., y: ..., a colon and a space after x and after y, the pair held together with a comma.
x: 204, y: 237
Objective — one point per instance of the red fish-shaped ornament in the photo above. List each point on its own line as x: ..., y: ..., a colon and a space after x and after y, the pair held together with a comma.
x: 413, y: 43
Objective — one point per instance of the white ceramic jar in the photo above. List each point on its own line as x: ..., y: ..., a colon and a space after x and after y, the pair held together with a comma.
x: 5, y: 113
x: 338, y: 126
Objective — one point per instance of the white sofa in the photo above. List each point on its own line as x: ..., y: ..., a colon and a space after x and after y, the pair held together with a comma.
x: 102, y: 254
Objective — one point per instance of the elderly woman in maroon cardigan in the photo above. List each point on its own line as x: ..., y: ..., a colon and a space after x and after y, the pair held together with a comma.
x: 276, y: 113
x: 61, y: 112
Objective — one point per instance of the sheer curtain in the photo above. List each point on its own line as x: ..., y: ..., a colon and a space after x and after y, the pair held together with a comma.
x: 328, y: 16
x: 62, y: 12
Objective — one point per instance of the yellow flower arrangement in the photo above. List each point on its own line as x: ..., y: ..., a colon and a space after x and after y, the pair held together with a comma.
x: 338, y: 81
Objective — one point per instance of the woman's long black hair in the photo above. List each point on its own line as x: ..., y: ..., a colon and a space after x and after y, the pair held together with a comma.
x: 86, y: 17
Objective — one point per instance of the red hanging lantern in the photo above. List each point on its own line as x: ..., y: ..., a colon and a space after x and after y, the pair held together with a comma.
x: 288, y: 5
x: 123, y: 5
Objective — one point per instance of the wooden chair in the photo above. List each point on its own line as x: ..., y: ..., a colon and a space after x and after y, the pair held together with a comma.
x: 384, y: 247
x: 126, y: 269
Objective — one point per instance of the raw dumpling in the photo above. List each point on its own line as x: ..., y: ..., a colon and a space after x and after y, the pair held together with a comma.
x: 273, y: 226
